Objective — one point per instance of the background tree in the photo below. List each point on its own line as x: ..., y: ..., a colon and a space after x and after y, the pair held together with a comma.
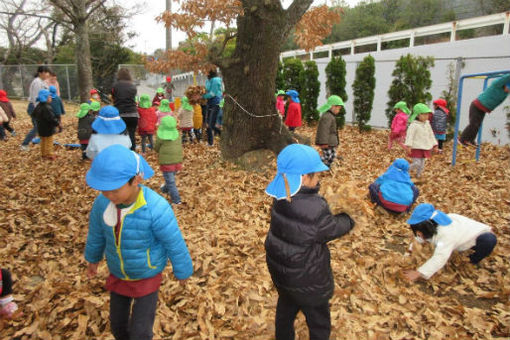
x: 310, y: 91
x: 280, y: 80
x: 249, y: 73
x: 335, y: 84
x: 411, y: 83
x: 292, y: 74
x: 363, y: 91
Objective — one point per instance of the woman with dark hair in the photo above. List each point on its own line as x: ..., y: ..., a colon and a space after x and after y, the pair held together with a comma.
x: 123, y: 94
x: 38, y: 84
x: 213, y: 94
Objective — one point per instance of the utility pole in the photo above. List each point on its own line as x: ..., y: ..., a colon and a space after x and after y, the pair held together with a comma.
x: 169, y: 29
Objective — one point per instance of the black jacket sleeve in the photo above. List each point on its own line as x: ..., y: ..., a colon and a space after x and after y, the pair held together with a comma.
x: 333, y: 226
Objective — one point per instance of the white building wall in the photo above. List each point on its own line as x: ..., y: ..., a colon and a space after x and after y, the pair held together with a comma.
x: 481, y: 55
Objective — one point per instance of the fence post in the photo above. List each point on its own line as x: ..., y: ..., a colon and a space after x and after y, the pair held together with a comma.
x: 68, y: 84
x: 21, y: 79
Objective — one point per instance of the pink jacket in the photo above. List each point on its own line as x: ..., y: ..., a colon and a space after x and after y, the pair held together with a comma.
x: 280, y: 105
x: 399, y: 123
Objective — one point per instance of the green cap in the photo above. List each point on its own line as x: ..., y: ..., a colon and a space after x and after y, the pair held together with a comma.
x: 280, y: 93
x: 164, y: 106
x: 167, y: 129
x: 332, y: 101
x: 418, y: 109
x: 160, y: 90
x: 402, y: 106
x: 222, y: 103
x: 84, y: 109
x: 185, y: 104
x: 145, y: 101
x: 95, y: 106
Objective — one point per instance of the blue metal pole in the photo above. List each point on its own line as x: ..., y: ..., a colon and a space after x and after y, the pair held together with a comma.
x: 457, y: 120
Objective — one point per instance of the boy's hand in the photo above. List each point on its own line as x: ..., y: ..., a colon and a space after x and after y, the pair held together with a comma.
x: 412, y: 275
x: 92, y: 270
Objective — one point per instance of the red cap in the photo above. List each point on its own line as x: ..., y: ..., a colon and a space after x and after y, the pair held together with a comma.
x: 93, y: 91
x: 442, y: 104
x: 3, y: 96
x: 168, y: 79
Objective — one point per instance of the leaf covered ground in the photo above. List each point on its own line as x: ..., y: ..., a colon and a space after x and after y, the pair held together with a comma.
x: 44, y: 210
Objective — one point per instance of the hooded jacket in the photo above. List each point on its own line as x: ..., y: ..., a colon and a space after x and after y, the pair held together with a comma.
x: 395, y: 184
x: 149, y: 237
x: 297, y: 254
x: 148, y: 117
x: 439, y: 121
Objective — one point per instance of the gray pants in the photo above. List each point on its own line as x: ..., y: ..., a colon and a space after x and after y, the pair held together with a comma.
x: 132, y: 318
x: 418, y: 164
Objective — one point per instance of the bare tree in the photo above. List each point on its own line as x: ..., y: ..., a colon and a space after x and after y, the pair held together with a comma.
x: 23, y: 27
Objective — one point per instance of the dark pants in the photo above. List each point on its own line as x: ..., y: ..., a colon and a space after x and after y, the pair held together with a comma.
x: 212, y: 116
x: 132, y: 318
x: 440, y: 144
x: 186, y: 134
x: 475, y: 120
x: 151, y: 142
x: 83, y: 148
x: 318, y: 319
x: 6, y: 283
x: 485, y: 243
x: 198, y: 134
x: 131, y: 125
x: 33, y: 132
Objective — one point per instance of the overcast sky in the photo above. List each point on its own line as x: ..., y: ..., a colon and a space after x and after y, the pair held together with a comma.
x: 151, y: 35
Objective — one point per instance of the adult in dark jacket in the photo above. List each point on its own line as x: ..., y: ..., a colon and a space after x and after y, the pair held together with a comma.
x: 124, y: 94
x: 46, y: 123
x: 297, y: 254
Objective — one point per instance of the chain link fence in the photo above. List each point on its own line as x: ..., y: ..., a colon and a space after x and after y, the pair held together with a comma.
x: 16, y: 79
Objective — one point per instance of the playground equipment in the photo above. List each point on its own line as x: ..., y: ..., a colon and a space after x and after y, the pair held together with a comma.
x: 486, y: 76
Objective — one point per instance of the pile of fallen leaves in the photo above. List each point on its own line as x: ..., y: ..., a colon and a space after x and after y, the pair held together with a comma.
x: 44, y: 210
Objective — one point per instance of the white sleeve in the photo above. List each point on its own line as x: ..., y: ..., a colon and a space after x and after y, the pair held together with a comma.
x: 91, y: 150
x: 438, y: 260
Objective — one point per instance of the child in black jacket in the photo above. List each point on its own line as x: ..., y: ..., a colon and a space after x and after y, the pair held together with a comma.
x: 297, y: 254
x: 47, y: 123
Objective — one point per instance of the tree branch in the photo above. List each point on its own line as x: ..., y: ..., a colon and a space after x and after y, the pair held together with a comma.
x: 295, y: 12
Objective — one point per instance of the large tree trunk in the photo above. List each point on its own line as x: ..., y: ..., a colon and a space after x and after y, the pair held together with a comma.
x: 84, y: 65
x: 250, y: 78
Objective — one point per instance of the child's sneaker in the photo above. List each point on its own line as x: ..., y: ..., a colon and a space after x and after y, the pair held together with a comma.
x: 24, y: 147
x: 163, y: 188
x: 9, y: 311
x: 13, y: 133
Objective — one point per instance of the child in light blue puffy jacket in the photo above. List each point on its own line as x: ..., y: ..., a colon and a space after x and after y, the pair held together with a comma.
x: 136, y: 230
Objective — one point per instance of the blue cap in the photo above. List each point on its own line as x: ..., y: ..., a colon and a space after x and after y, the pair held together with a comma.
x: 53, y: 91
x: 426, y: 211
x: 114, y: 166
x: 294, y: 161
x: 293, y: 94
x: 108, y: 121
x: 43, y: 95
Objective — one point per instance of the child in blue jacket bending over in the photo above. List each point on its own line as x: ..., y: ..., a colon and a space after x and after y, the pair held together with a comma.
x: 394, y: 190
x: 136, y: 230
